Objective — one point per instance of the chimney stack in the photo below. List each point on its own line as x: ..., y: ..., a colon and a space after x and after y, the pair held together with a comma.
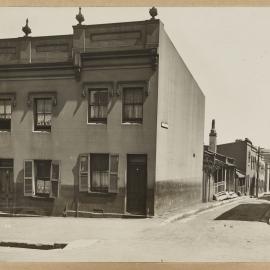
x: 213, y: 138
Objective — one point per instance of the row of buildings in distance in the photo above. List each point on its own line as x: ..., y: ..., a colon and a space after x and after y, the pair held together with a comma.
x: 237, y: 167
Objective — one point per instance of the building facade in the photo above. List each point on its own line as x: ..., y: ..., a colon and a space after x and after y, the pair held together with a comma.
x: 249, y: 162
x: 105, y: 120
x: 219, y: 171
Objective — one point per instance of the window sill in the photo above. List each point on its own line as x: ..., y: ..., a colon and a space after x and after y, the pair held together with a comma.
x: 41, y: 197
x: 96, y: 124
x: 5, y: 131
x: 131, y: 124
x: 98, y: 193
x: 41, y: 131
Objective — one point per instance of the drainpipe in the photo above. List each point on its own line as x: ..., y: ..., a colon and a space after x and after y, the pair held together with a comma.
x: 258, y: 169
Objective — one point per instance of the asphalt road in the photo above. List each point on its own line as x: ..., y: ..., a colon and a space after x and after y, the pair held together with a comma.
x: 233, y: 232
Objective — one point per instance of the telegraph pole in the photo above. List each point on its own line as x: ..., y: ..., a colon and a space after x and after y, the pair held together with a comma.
x: 258, y: 172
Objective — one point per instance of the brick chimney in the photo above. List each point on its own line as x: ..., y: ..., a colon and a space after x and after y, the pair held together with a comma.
x: 213, y: 138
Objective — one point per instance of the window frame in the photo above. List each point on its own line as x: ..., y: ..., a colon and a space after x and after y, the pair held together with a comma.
x: 99, y: 190
x: 5, y: 99
x: 32, y: 96
x: 95, y: 85
x: 133, y: 104
x: 45, y: 128
x: 88, y: 189
x: 89, y: 105
x: 34, y: 179
x: 144, y: 85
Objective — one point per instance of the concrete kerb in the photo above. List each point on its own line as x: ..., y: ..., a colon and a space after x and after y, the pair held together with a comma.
x: 201, y: 209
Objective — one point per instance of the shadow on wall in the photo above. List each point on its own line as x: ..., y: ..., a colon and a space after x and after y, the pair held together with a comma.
x: 248, y: 212
x: 56, y: 109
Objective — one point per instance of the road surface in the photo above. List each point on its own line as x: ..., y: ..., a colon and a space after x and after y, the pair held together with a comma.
x: 233, y: 232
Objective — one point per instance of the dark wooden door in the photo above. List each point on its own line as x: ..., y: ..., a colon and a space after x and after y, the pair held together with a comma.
x: 136, y: 184
x: 6, y: 188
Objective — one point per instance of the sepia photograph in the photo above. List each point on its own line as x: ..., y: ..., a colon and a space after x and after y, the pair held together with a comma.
x: 134, y: 134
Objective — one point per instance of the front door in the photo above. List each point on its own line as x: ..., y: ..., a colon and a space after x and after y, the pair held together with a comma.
x: 6, y: 185
x: 136, y: 184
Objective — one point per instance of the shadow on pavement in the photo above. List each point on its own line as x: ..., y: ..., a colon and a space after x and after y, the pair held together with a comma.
x: 265, y: 197
x: 248, y: 212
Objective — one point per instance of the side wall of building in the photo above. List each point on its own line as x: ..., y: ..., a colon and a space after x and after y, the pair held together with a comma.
x: 236, y: 150
x: 180, y: 129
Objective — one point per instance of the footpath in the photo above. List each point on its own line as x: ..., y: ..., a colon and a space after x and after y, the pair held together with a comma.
x: 177, y: 214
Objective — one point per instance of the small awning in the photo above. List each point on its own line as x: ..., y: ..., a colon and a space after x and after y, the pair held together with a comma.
x: 240, y: 175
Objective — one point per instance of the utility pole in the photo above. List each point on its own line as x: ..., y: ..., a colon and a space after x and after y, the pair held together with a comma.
x: 258, y: 172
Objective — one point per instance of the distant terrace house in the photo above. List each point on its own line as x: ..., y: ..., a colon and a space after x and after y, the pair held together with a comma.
x: 219, y: 171
x: 249, y: 162
x: 107, y: 119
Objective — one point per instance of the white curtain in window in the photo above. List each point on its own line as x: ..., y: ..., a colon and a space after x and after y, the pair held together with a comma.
x: 100, y: 179
x: 102, y: 111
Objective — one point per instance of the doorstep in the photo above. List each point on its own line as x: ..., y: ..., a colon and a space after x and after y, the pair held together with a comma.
x: 72, y: 213
x: 203, y: 207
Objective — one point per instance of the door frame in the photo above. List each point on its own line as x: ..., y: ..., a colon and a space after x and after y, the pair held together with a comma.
x: 126, y: 177
x: 11, y: 182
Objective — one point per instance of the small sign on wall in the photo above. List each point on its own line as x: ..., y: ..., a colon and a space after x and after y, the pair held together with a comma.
x: 164, y: 125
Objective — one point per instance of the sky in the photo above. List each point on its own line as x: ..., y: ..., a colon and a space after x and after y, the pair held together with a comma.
x: 226, y: 49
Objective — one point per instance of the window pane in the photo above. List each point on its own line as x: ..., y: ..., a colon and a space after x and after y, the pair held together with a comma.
x: 103, y: 97
x: 2, y: 107
x: 48, y: 106
x: 103, y: 111
x: 93, y: 97
x: 138, y: 95
x: 104, y: 179
x: 43, y: 169
x: 99, y: 172
x: 98, y: 104
x: 128, y: 96
x: 40, y: 186
x: 40, y: 120
x: 40, y: 105
x: 95, y: 179
x: 128, y: 112
x: 100, y: 162
x: 48, y: 119
x: 138, y: 111
x: 8, y: 107
x: 47, y: 187
x: 94, y: 112
x: 5, y: 124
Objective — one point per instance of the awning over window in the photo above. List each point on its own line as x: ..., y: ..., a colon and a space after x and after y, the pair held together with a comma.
x: 240, y: 175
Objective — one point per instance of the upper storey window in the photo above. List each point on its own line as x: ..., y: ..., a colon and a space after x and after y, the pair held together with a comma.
x: 5, y: 114
x: 43, y: 114
x: 133, y: 104
x: 98, y: 105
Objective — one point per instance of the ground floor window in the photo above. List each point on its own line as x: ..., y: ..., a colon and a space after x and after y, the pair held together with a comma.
x: 41, y: 178
x: 99, y: 173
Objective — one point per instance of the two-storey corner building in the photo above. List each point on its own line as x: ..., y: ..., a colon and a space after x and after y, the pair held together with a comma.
x: 107, y: 119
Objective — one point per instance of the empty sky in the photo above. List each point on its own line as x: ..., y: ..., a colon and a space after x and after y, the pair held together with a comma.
x: 226, y: 49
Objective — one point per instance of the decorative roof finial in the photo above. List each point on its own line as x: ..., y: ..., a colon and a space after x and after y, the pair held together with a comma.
x: 153, y: 13
x: 79, y: 17
x: 26, y: 29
